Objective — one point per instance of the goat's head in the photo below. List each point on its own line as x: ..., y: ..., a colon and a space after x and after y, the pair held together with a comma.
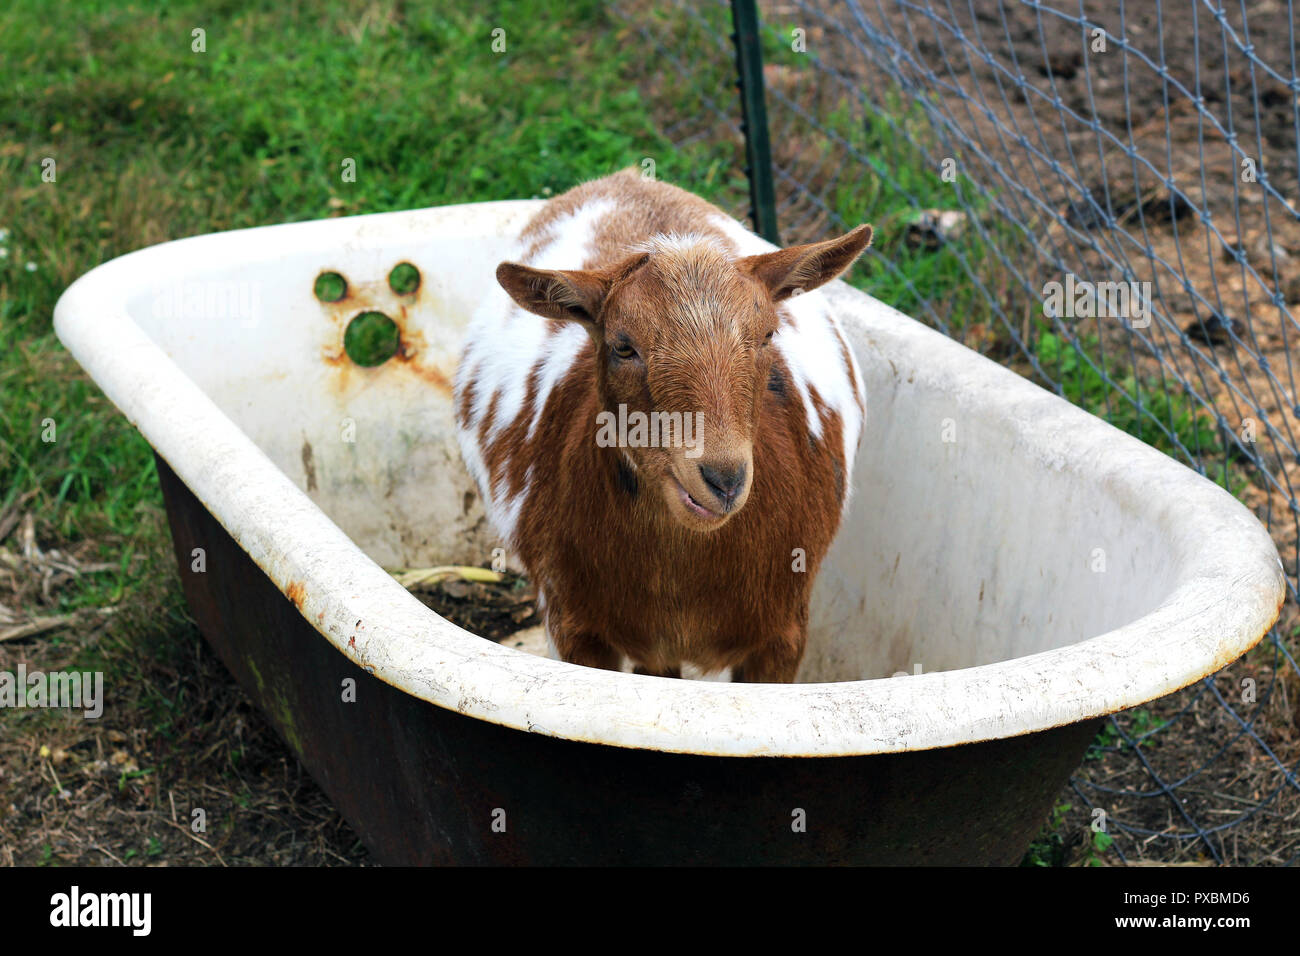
x: 682, y: 333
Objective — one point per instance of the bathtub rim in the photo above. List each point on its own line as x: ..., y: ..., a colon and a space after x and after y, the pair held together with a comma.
x: 371, y: 619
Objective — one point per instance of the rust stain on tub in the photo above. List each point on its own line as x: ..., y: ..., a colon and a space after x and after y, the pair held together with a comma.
x: 296, y: 592
x: 411, y: 353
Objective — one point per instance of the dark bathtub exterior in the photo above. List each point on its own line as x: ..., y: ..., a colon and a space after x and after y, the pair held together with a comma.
x: 423, y: 785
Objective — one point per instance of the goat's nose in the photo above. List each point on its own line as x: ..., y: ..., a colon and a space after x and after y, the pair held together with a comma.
x: 726, y: 481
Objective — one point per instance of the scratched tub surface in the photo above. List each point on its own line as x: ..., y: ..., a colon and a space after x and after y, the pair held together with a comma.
x: 1029, y: 567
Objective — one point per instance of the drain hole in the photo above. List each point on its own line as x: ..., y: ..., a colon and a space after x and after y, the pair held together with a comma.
x: 371, y: 339
x: 404, y: 279
x: 330, y: 287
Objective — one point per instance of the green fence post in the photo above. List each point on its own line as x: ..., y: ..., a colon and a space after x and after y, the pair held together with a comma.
x: 758, y: 149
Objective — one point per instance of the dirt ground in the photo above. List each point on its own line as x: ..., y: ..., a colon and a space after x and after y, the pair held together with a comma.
x: 1189, y: 761
x: 178, y: 736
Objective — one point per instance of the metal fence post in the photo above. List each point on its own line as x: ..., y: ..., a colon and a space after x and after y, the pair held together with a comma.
x: 758, y: 150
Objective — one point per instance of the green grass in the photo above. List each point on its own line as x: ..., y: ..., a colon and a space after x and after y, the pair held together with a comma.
x: 1050, y: 848
x: 918, y: 281
x: 934, y: 285
x: 1150, y: 410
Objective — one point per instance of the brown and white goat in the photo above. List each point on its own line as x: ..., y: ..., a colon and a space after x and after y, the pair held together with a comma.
x: 700, y: 549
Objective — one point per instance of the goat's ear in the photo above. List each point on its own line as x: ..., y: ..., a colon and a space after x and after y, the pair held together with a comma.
x: 554, y: 293
x: 803, y: 268
x: 574, y: 294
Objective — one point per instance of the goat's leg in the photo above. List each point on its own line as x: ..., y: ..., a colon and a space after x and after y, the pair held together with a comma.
x: 775, y: 661
x: 571, y: 642
x: 587, y: 649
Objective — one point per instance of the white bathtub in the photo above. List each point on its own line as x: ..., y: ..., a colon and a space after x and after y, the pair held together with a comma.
x: 1038, y: 570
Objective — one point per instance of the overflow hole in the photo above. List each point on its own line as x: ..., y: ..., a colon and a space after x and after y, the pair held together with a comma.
x: 330, y: 287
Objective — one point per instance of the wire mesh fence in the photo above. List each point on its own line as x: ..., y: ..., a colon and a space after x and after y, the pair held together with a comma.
x: 1102, y: 195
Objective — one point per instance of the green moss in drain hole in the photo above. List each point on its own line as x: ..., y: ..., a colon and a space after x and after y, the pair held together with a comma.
x: 371, y: 339
x: 330, y: 287
x: 404, y: 279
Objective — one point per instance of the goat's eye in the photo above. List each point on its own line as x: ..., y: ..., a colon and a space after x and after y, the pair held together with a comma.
x: 767, y: 339
x: 624, y: 351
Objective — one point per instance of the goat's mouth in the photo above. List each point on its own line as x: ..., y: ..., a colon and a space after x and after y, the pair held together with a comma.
x: 694, y: 509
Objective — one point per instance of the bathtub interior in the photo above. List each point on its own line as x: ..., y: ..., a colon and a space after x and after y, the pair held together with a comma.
x: 966, y: 541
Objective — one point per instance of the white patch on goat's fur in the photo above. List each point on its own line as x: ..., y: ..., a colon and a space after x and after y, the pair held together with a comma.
x: 677, y: 242
x: 692, y: 671
x: 503, y: 345
x: 561, y: 352
x: 467, y: 432
x: 503, y: 511
x: 813, y: 346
